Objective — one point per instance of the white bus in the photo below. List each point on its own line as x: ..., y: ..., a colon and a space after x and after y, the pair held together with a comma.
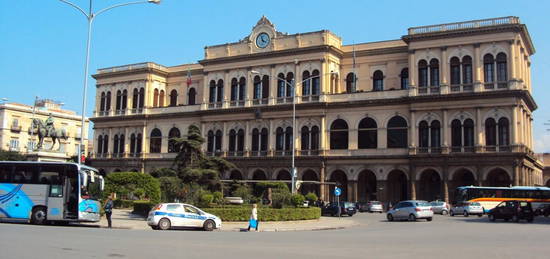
x: 41, y: 192
x: 489, y: 197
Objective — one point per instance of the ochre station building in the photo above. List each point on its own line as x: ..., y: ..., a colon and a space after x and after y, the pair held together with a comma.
x: 444, y: 106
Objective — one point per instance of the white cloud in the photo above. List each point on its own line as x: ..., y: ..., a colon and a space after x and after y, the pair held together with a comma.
x: 542, y: 144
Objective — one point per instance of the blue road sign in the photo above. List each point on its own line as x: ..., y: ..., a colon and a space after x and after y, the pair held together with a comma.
x: 337, y: 191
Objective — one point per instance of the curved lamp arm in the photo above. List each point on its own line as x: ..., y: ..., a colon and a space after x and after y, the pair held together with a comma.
x: 124, y: 4
x: 76, y: 6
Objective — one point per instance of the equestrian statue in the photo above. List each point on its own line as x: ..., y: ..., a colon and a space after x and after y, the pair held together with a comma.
x: 47, y: 129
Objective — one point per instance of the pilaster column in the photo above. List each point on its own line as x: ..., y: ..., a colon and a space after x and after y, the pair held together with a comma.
x: 248, y: 138
x: 381, y: 193
x: 353, y: 134
x: 226, y: 90
x: 322, y: 186
x: 514, y: 126
x: 324, y: 134
x: 412, y: 181
x: 412, y: 74
x: 205, y: 92
x: 272, y: 86
x: 445, y: 183
x: 110, y: 143
x: 144, y: 142
x: 126, y: 142
x: 225, y: 138
x: 352, y: 190
x: 412, y: 135
x: 446, y: 134
x: 479, y: 131
x: 249, y: 88
x: 478, y: 69
x: 516, y: 174
x: 271, y: 137
x: 444, y: 71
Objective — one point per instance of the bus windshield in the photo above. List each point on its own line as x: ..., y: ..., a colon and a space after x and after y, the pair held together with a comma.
x: 90, y: 185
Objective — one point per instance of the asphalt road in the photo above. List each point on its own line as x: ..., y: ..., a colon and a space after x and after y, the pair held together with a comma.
x: 444, y: 237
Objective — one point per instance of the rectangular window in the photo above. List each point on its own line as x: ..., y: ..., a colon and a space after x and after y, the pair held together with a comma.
x: 14, y: 144
x: 5, y: 173
x: 27, y: 174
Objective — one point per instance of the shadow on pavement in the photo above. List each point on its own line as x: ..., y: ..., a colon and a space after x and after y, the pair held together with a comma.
x: 54, y: 224
x: 537, y: 220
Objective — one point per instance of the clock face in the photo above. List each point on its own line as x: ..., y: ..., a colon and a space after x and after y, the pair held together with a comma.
x: 262, y: 40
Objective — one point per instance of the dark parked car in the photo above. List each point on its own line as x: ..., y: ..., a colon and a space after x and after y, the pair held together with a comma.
x: 543, y: 210
x: 512, y: 210
x: 362, y: 206
x: 346, y: 208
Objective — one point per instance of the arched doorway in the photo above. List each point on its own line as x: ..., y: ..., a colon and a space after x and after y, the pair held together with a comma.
x: 462, y: 177
x: 306, y: 188
x: 235, y: 175
x: 366, y: 186
x: 397, y: 189
x: 341, y: 180
x: 497, y: 178
x: 284, y: 175
x: 429, y: 186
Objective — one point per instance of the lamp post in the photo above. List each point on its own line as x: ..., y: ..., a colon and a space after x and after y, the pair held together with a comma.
x: 90, y: 16
x: 292, y: 86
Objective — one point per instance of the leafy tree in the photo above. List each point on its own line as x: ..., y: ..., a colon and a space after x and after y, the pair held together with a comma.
x: 11, y: 156
x: 133, y: 183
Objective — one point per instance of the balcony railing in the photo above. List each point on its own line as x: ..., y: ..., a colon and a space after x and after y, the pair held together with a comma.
x: 215, y: 105
x: 235, y: 153
x: 310, y: 98
x: 131, y: 67
x: 498, y: 149
x: 462, y: 88
x: 429, y: 150
x: 308, y: 152
x: 287, y: 99
x: 462, y: 149
x: 429, y: 90
x: 258, y: 153
x: 236, y: 103
x: 260, y: 101
x: 15, y: 128
x: 464, y: 25
x: 283, y: 152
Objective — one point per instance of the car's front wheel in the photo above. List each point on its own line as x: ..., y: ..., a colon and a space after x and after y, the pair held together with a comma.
x: 390, y: 217
x: 515, y: 218
x: 480, y: 215
x: 491, y: 217
x: 164, y: 224
x: 444, y: 212
x: 466, y: 214
x: 209, y: 225
x: 429, y: 219
x: 412, y: 217
x: 452, y: 214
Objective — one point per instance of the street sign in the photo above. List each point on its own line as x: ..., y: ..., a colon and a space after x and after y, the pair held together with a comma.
x: 337, y: 191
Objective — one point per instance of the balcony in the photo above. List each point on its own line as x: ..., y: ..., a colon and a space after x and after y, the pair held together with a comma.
x: 215, y: 105
x: 262, y: 101
x: 429, y: 90
x: 136, y: 110
x: 308, y: 152
x: 15, y: 128
x: 257, y: 153
x: 235, y: 103
x: 283, y: 152
x: 235, y: 153
x: 120, y: 112
x: 462, y: 149
x: 173, y: 109
x: 496, y: 85
x: 497, y: 149
x: 429, y: 150
x: 287, y: 99
x: 360, y: 96
x: 462, y: 88
x: 464, y: 25
x: 310, y: 98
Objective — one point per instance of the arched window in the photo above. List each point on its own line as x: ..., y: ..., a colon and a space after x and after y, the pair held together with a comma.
x: 141, y: 97
x: 435, y: 134
x: 102, y: 102
x: 423, y: 134
x: 456, y: 135
x: 434, y: 72
x: 121, y: 143
x: 265, y: 87
x: 132, y: 144
x: 378, y: 81
x: 234, y: 90
x: 467, y: 76
x: 351, y: 83
x: 469, y: 133
x: 289, y: 82
x: 232, y: 140
x: 118, y: 100
x: 257, y: 87
x: 315, y: 82
x: 173, y: 135
x: 490, y: 132
x: 212, y: 92
x: 397, y: 132
x: 263, y: 140
x: 242, y: 89
x: 108, y: 102
x: 191, y: 96
x: 503, y: 132
x: 210, y: 141
x: 339, y: 134
x: 124, y: 99
x: 135, y: 98
x: 314, y: 138
x: 161, y: 98
x: 304, y: 138
x: 255, y: 140
x: 219, y: 94
x: 139, y: 141
x: 218, y: 140
x: 240, y: 141
x: 106, y: 144
x: 288, y: 138
x: 281, y: 85
x: 488, y: 68
x: 367, y: 134
x: 279, y: 139
x: 502, y: 70
x: 155, y: 141
x: 306, y: 83
x: 174, y: 98
x: 156, y: 98
x: 405, y: 78
x: 455, y: 71
x: 100, y: 144
x: 115, y: 145
x: 422, y: 73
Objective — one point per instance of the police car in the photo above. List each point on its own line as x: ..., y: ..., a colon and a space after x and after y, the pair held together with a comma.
x: 179, y: 215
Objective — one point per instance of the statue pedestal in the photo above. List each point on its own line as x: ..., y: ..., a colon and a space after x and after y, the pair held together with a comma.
x: 47, y: 156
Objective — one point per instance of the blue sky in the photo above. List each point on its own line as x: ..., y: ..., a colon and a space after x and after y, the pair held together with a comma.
x: 42, y: 42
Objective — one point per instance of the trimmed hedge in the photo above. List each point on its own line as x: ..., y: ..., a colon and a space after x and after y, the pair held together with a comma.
x: 123, y: 204
x: 266, y: 214
x: 143, y: 207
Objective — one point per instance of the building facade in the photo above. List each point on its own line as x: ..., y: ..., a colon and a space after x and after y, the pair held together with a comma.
x: 17, y: 134
x: 443, y: 106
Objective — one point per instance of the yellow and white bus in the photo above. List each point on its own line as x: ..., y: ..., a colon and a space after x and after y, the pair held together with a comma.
x: 489, y: 197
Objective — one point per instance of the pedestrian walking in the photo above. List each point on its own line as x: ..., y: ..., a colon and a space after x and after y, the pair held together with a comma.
x: 253, y: 222
x: 108, y: 210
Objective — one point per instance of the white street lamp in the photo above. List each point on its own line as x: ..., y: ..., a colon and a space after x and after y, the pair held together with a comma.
x: 90, y: 16
x: 292, y: 86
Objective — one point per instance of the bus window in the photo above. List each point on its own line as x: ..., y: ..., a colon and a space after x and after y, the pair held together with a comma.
x: 25, y: 174
x: 56, y: 191
x: 51, y: 174
x: 5, y: 172
x: 498, y: 194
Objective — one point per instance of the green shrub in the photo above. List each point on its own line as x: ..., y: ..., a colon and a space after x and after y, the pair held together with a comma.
x: 243, y: 191
x: 143, y: 207
x: 280, y: 197
x: 297, y: 200
x: 129, y: 183
x: 170, y: 187
x: 205, y: 200
x: 218, y: 197
x: 311, y: 197
x: 265, y: 214
x: 123, y: 204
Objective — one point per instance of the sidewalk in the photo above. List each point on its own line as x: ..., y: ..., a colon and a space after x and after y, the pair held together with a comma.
x: 124, y: 219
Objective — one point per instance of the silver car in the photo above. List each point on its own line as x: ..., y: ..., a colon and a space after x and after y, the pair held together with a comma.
x: 179, y: 215
x: 440, y: 207
x: 467, y: 209
x: 411, y: 210
x: 375, y: 206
